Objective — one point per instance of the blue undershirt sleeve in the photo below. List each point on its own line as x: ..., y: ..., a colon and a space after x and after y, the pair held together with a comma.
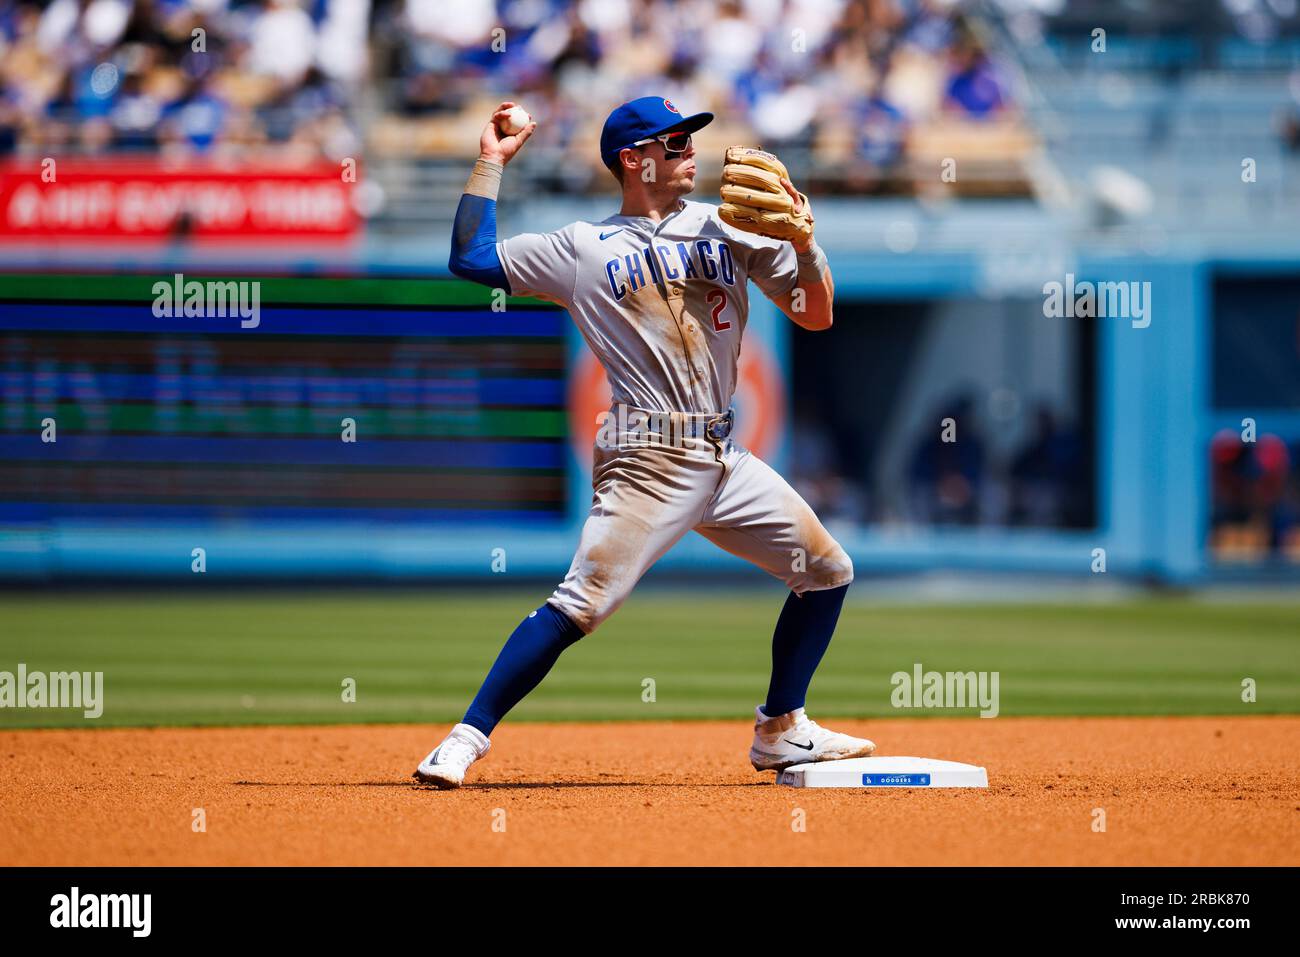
x: 474, y: 243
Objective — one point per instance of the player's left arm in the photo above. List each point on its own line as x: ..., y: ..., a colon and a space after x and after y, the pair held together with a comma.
x: 810, y: 303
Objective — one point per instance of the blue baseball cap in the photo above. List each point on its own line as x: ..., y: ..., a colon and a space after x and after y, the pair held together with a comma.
x: 641, y: 119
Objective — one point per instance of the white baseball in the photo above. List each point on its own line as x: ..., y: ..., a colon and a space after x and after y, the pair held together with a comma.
x: 515, y: 120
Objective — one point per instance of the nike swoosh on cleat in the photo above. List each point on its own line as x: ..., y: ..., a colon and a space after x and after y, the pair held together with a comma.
x: 804, y: 747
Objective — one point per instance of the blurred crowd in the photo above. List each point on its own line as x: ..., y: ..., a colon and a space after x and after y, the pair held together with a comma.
x: 851, y: 79
x: 847, y: 79
x: 1045, y: 483
x: 956, y: 477
x: 219, y: 77
x: 1256, y: 489
x: 860, y: 85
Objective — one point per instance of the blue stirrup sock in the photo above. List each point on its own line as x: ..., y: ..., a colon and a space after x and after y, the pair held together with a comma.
x: 802, y: 635
x: 529, y: 653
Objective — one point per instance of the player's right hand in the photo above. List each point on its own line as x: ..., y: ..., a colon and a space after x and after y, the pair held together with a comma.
x: 494, y: 146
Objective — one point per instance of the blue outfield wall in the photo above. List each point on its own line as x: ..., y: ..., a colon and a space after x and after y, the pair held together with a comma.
x: 1153, y: 428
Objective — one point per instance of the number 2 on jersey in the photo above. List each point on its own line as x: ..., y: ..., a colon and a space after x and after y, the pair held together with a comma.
x: 719, y: 325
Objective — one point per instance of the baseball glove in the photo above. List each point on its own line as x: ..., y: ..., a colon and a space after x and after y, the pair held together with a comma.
x: 754, y: 200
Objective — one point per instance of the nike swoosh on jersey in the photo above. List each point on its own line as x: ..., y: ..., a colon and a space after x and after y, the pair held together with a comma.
x: 604, y: 236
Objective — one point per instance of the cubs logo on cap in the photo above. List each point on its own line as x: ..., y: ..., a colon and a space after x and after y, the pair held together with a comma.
x: 643, y: 118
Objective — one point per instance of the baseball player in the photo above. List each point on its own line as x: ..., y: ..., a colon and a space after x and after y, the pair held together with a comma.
x: 659, y: 292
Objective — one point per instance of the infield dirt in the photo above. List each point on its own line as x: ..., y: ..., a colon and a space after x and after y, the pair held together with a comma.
x: 1222, y: 791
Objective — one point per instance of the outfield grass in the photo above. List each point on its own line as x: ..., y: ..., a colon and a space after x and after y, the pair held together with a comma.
x: 237, y: 658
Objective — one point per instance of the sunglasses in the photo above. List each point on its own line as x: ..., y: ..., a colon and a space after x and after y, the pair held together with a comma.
x: 678, y: 142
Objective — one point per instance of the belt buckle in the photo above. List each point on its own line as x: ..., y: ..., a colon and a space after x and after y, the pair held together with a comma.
x: 719, y: 428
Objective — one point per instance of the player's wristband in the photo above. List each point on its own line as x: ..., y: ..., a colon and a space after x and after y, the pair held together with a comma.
x: 485, y: 180
x: 812, y: 263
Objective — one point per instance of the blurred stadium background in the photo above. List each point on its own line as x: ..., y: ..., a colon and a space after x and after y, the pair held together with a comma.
x: 320, y: 146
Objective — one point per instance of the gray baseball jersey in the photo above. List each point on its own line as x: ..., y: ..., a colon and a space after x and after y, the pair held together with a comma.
x: 662, y: 305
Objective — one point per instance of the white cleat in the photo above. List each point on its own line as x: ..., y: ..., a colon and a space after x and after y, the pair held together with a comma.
x: 794, y: 738
x: 446, y: 764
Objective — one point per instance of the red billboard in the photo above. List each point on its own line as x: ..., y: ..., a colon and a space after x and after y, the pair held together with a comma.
x: 70, y: 199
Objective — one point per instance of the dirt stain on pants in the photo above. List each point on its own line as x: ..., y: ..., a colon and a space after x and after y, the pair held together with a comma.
x: 646, y: 497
